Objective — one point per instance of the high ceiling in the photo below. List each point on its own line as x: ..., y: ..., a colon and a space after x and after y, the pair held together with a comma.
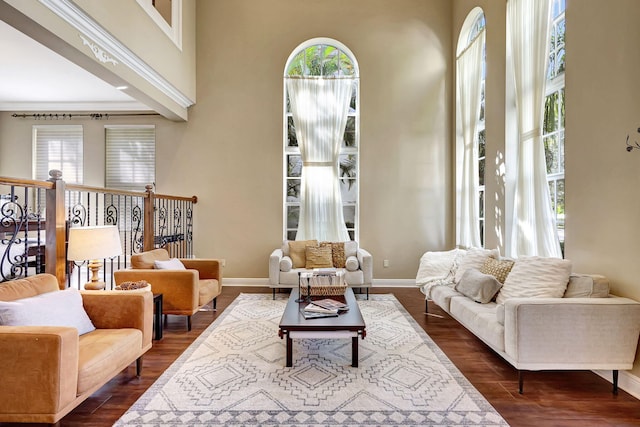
x: 34, y: 78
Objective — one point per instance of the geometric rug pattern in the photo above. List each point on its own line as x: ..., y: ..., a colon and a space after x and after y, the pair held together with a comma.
x: 234, y: 374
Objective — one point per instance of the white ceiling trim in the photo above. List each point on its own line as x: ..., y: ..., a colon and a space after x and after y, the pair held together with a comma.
x: 82, y: 22
x: 73, y: 106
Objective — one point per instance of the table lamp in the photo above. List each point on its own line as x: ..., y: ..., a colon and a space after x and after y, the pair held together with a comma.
x: 94, y: 244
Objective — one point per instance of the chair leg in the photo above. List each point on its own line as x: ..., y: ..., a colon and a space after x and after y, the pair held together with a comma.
x: 188, y: 323
x: 139, y: 366
x: 615, y: 381
x: 215, y: 300
x: 520, y: 381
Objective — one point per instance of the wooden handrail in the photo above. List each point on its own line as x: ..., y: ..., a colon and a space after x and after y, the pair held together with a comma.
x: 5, y: 180
x: 79, y: 187
x: 193, y: 199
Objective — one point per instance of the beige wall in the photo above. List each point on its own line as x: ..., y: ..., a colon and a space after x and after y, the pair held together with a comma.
x: 229, y: 153
x: 232, y: 149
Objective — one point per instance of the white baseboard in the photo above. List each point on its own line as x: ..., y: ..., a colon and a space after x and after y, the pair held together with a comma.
x: 377, y: 283
x: 626, y: 381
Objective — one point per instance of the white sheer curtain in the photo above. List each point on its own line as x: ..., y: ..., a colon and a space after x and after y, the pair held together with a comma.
x: 469, y: 69
x: 319, y: 107
x: 533, y: 228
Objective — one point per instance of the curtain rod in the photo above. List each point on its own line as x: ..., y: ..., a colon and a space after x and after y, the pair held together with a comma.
x: 65, y: 116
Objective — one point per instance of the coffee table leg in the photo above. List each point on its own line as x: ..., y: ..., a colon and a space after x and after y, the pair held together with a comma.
x: 289, y: 351
x: 354, y: 351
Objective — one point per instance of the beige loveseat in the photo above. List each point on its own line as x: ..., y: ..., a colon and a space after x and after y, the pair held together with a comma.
x: 534, y: 323
x: 292, y: 258
x: 46, y: 371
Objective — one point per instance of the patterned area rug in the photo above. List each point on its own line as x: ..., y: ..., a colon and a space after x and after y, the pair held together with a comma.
x: 235, y: 374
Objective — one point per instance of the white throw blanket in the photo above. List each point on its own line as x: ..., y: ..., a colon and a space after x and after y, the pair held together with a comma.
x: 438, y: 268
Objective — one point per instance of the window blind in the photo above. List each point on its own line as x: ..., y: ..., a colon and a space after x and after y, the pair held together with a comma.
x: 130, y: 157
x: 58, y: 147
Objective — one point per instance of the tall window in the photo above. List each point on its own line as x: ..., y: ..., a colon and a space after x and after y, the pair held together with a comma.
x: 477, y: 28
x: 322, y: 58
x: 58, y: 147
x: 553, y: 132
x: 470, y: 131
x: 130, y: 157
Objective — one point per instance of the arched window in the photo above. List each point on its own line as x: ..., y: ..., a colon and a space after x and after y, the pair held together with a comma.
x: 470, y: 131
x: 328, y: 61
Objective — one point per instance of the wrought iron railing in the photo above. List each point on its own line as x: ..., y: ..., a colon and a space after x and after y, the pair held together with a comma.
x: 35, y: 217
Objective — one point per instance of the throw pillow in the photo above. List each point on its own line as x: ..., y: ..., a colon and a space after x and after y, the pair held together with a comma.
x: 57, y: 308
x: 536, y: 277
x: 350, y: 248
x: 497, y: 268
x: 474, y: 258
x: 297, y: 251
x: 337, y: 253
x: 286, y: 264
x: 478, y: 286
x: 172, y: 264
x: 352, y: 263
x: 318, y: 257
x: 587, y: 286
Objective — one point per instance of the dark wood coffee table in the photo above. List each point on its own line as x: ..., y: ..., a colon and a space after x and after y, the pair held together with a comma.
x: 349, y: 324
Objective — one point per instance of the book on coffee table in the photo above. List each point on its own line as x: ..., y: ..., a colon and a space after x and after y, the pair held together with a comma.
x: 316, y: 315
x: 313, y: 308
x: 331, y: 304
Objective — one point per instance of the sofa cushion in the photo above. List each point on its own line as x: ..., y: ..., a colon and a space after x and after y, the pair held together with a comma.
x: 480, y: 319
x: 147, y: 259
x: 497, y: 268
x: 478, y: 286
x: 350, y: 248
x: 442, y: 296
x: 474, y: 258
x: 337, y: 253
x: 171, y: 264
x: 352, y: 263
x: 318, y: 257
x: 536, y: 277
x: 28, y: 287
x: 57, y: 308
x: 103, y: 353
x: 587, y: 286
x: 286, y: 264
x: 297, y: 251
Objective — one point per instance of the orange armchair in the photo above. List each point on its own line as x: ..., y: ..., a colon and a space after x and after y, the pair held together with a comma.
x: 47, y: 371
x: 184, y: 292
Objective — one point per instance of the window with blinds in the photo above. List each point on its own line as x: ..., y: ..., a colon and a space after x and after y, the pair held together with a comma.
x: 58, y: 147
x: 130, y: 157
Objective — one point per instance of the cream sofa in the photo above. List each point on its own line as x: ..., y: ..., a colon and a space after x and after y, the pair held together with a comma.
x: 47, y: 371
x: 285, y: 266
x: 580, y: 327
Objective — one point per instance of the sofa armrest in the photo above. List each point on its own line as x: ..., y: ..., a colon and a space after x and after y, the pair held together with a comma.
x: 180, y: 288
x: 207, y: 268
x: 274, y: 267
x: 576, y: 333
x: 366, y: 265
x: 38, y: 367
x: 121, y: 309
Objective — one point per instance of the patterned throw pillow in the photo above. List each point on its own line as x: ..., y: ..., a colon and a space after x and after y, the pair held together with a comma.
x: 318, y: 257
x: 337, y: 253
x: 497, y: 268
x: 536, y: 277
x: 297, y: 251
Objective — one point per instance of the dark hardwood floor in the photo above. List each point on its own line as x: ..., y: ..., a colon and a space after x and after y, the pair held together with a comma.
x: 566, y: 398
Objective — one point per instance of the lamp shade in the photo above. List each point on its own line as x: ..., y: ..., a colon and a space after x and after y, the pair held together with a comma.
x: 98, y: 242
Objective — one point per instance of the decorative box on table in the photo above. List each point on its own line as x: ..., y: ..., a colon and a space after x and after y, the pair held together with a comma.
x: 323, y: 282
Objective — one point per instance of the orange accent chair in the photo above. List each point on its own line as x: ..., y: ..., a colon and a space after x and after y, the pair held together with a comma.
x: 184, y: 291
x: 46, y: 371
